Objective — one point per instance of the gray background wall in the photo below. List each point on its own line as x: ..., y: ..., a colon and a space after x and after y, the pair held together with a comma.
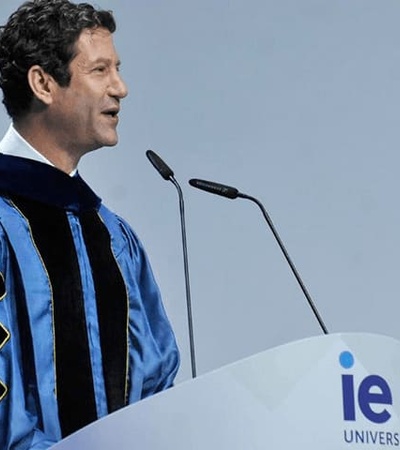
x: 294, y: 102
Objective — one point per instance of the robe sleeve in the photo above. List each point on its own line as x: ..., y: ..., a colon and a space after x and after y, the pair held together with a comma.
x: 19, y: 420
x: 156, y: 350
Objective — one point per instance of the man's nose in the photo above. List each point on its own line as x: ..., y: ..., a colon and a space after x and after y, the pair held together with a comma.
x: 118, y: 87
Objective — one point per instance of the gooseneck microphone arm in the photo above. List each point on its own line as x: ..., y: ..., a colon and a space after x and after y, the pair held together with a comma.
x: 166, y: 172
x: 187, y: 282
x: 232, y: 193
x: 288, y: 259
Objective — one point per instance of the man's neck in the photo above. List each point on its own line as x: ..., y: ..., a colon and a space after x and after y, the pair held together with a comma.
x: 40, y: 141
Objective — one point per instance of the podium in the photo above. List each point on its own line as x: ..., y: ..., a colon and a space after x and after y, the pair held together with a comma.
x: 333, y: 392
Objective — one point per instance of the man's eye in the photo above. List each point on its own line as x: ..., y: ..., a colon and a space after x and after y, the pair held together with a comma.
x: 100, y: 69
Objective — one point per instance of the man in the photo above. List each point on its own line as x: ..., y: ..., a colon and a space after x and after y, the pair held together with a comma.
x: 82, y: 328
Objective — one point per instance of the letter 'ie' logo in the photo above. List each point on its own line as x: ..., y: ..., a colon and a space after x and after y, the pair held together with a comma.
x: 372, y: 390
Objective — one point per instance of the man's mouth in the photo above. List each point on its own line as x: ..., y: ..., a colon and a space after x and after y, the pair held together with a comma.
x: 111, y: 112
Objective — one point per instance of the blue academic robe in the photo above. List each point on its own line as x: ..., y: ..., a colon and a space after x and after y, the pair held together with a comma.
x: 83, y: 331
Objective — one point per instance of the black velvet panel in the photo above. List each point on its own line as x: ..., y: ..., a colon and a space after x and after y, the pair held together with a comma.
x: 53, y: 238
x: 112, y: 307
x: 46, y: 184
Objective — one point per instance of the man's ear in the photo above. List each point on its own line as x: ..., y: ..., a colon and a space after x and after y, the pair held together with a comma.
x: 42, y: 84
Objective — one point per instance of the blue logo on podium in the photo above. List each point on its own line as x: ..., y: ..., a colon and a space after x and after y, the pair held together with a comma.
x: 372, y: 394
x: 370, y: 398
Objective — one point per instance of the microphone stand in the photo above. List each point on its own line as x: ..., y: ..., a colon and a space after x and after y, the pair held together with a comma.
x: 166, y: 172
x: 288, y: 259
x: 233, y: 193
x: 187, y: 283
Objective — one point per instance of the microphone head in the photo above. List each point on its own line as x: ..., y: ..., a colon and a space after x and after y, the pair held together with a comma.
x: 163, y: 169
x: 215, y: 188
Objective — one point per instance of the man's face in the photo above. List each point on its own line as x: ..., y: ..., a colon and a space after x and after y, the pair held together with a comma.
x: 84, y: 115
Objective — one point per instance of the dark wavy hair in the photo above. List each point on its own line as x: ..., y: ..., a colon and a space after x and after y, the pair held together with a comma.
x: 42, y: 32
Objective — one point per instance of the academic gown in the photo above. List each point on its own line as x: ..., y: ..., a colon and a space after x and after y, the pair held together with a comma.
x: 83, y: 331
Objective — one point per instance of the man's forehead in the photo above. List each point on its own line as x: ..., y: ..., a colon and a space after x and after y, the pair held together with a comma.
x: 95, y: 43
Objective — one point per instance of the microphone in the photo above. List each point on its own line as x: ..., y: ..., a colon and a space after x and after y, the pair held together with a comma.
x: 232, y: 193
x: 215, y: 188
x: 166, y: 172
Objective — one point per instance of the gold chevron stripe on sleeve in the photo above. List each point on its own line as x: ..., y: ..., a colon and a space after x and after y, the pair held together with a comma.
x: 4, y: 335
x: 3, y: 390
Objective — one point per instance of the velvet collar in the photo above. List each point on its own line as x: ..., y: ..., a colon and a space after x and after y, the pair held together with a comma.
x: 41, y: 182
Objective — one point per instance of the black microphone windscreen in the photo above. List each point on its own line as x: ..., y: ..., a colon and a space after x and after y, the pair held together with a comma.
x: 163, y: 169
x: 214, y: 188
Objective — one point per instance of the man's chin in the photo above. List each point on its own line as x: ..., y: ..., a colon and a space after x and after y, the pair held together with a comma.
x: 109, y: 142
x: 103, y: 143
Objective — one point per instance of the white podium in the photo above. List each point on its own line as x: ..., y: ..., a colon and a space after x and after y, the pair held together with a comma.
x: 334, y: 392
